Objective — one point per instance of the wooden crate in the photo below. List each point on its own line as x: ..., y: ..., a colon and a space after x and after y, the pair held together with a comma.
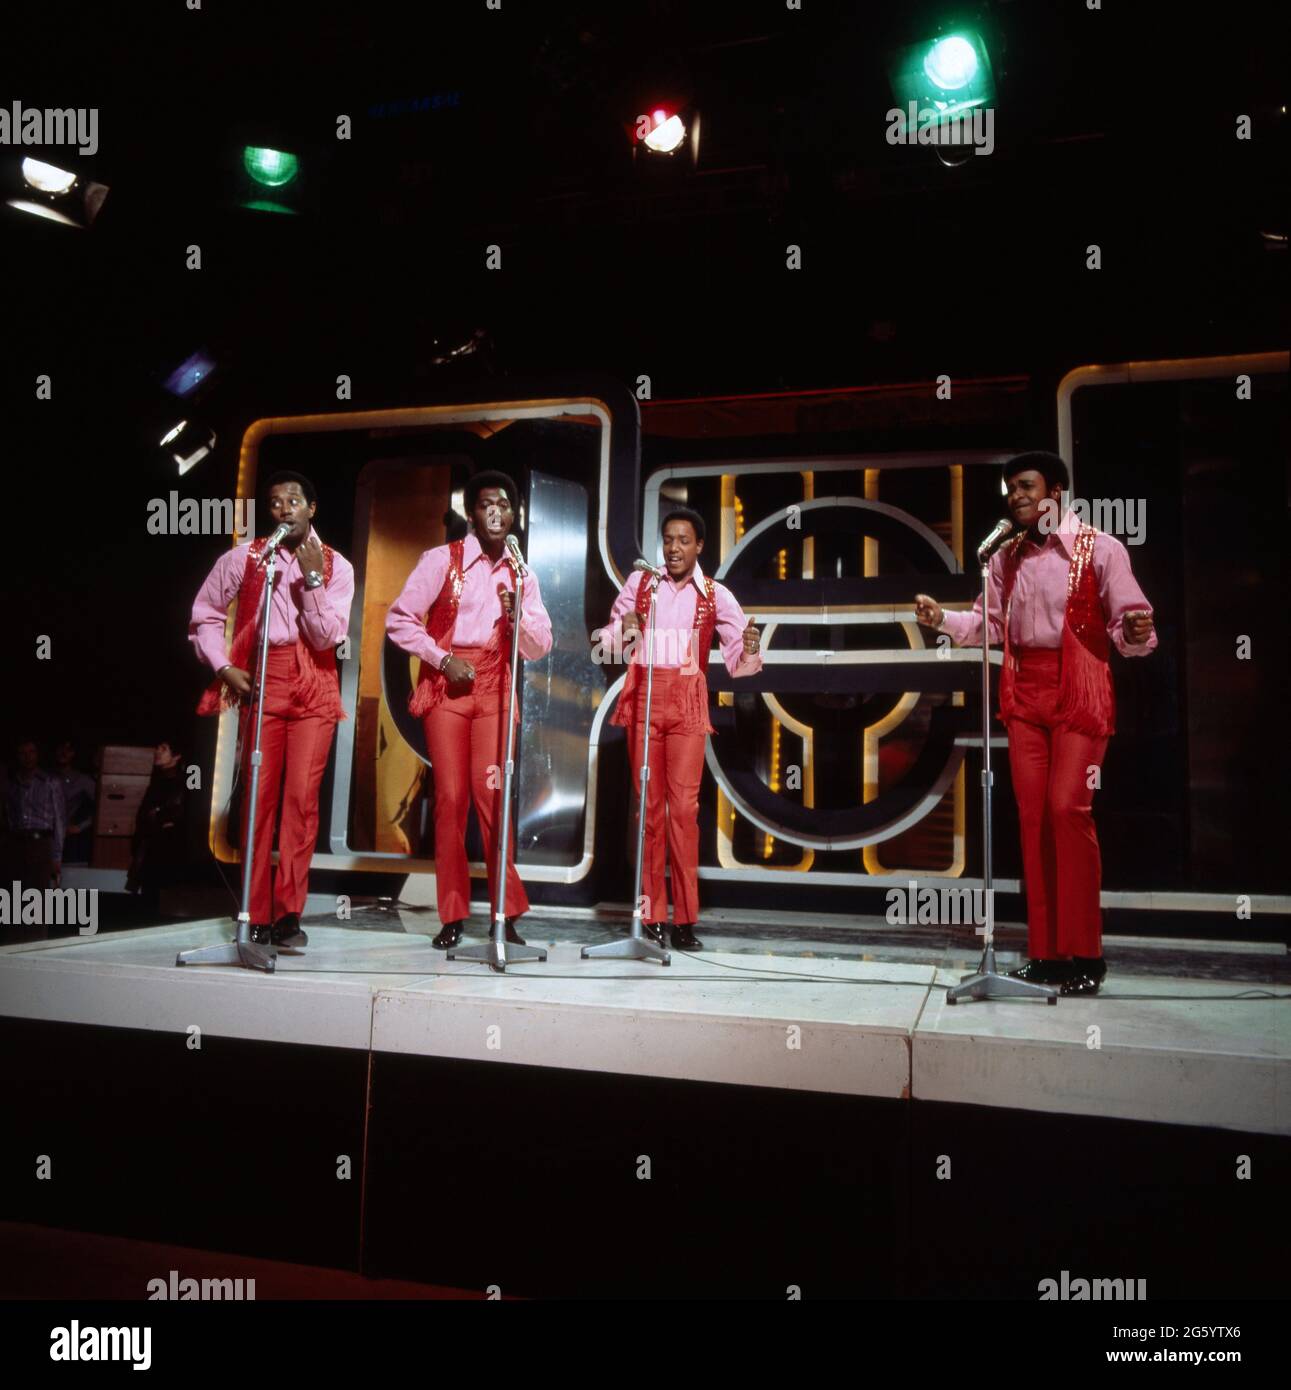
x: 118, y: 803
x: 125, y: 760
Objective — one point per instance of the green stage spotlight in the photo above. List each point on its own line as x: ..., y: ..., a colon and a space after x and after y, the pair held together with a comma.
x: 272, y: 168
x: 270, y: 181
x: 949, y: 75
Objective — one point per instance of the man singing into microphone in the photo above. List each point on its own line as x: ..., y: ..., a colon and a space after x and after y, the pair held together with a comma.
x: 455, y: 614
x: 689, y: 609
x: 309, y: 615
x: 1061, y: 593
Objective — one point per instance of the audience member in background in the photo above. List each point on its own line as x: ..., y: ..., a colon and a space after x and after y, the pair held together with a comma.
x: 34, y: 820
x: 157, y: 850
x: 78, y: 802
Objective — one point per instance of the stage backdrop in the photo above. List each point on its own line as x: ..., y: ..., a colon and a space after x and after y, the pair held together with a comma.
x: 852, y: 759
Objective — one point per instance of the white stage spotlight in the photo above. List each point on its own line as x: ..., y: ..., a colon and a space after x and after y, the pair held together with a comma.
x: 666, y: 134
x: 188, y: 443
x: 47, y: 178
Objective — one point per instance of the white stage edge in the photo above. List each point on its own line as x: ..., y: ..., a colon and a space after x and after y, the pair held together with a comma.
x: 1167, y: 1051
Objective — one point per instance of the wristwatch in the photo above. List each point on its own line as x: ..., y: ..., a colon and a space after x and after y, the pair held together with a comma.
x: 448, y: 656
x: 313, y: 579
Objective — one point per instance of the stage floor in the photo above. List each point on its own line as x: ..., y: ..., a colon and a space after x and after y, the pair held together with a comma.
x: 1183, y: 1033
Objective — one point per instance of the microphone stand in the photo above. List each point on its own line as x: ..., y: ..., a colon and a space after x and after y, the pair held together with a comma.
x: 496, y: 951
x: 988, y: 982
x: 637, y: 946
x: 242, y: 950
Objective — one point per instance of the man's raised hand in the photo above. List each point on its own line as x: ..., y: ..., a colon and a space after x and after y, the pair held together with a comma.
x: 928, y: 611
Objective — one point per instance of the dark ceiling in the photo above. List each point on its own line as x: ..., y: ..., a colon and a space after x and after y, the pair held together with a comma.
x: 1113, y: 126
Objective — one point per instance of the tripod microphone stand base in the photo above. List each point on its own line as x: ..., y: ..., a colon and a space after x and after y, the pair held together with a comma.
x: 498, y: 953
x: 634, y: 947
x: 240, y: 951
x: 989, y: 983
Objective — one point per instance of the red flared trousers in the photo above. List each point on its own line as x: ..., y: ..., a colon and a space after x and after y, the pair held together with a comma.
x: 672, y: 803
x: 465, y: 739
x: 294, y: 745
x: 1053, y: 769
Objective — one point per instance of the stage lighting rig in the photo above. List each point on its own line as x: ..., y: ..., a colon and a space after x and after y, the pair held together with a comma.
x: 194, y: 371
x: 272, y: 182
x: 55, y: 194
x: 940, y: 83
x: 188, y: 443
x: 666, y: 131
x: 946, y: 75
x: 272, y: 168
x: 456, y: 346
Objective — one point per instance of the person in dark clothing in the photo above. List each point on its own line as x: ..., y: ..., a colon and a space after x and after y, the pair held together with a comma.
x: 34, y: 821
x: 157, y: 849
x: 78, y: 802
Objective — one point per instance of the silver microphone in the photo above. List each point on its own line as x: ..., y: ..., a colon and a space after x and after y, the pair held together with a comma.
x: 275, y: 541
x: 647, y: 568
x: 517, y: 555
x: 992, y: 543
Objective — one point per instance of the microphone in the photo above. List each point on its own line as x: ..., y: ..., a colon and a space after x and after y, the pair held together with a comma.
x: 275, y: 541
x: 992, y: 543
x: 647, y: 568
x: 517, y: 555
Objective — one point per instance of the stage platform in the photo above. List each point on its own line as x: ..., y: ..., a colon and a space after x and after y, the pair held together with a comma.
x: 424, y: 1114
x: 1169, y: 1049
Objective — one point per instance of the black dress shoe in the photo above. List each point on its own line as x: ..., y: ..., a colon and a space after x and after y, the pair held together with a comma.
x: 449, y: 935
x: 684, y: 938
x: 262, y: 933
x: 654, y: 931
x: 287, y: 931
x: 513, y: 937
x: 1087, y: 974
x: 1093, y: 966
x: 1042, y: 972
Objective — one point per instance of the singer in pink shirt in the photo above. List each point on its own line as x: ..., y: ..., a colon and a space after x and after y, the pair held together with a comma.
x: 690, y: 609
x: 309, y: 615
x: 454, y: 614
x: 1061, y: 596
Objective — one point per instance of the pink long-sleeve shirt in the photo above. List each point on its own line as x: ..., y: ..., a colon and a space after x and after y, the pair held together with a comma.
x: 478, y: 610
x: 1039, y: 602
x: 320, y: 616
x: 674, y: 622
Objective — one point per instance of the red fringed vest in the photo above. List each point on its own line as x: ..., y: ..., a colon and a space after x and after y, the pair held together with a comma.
x: 316, y: 686
x: 694, y: 685
x: 1086, y: 703
x: 431, y: 685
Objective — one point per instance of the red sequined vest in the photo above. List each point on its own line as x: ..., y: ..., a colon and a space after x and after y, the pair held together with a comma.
x: 316, y: 686
x: 1086, y: 702
x: 694, y: 683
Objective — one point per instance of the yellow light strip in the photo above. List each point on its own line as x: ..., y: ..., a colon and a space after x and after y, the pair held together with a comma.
x: 725, y: 808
